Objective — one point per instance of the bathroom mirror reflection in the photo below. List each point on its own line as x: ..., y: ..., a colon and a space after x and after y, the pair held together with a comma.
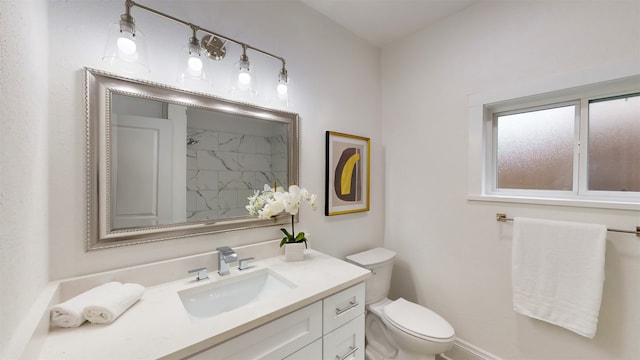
x: 165, y: 163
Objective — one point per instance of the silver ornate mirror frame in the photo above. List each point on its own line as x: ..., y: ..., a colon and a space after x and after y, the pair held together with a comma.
x: 99, y: 88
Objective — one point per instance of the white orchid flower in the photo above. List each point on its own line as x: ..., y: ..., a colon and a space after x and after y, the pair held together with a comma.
x: 313, y: 201
x: 272, y: 201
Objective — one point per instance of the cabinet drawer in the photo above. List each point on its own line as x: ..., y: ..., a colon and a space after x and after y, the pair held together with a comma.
x: 345, y: 342
x: 312, y: 351
x: 274, y: 340
x: 340, y: 308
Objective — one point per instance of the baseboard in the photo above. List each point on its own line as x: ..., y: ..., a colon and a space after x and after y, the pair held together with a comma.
x: 462, y: 350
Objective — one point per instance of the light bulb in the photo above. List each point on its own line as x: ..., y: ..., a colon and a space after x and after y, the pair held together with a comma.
x: 195, y: 63
x: 282, y: 91
x: 126, y: 45
x: 194, y: 66
x: 244, y: 80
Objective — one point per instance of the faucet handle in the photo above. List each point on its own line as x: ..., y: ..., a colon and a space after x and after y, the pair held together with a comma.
x: 201, y: 273
x: 243, y: 264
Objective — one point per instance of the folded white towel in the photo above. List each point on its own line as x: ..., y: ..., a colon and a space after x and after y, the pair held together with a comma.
x: 113, y: 304
x: 558, y: 272
x: 70, y: 312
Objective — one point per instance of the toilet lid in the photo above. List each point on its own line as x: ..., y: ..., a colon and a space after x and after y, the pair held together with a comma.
x: 418, y: 320
x: 372, y: 257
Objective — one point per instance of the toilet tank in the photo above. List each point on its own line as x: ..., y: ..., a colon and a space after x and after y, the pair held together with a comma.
x: 380, y: 262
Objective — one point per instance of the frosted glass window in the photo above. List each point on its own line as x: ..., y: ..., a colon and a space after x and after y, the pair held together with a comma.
x: 578, y: 146
x: 614, y: 144
x: 535, y: 149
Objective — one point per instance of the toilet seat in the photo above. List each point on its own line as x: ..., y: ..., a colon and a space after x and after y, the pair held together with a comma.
x: 418, y: 321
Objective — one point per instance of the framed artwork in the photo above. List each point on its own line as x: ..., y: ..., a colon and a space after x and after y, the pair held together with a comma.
x: 347, y: 174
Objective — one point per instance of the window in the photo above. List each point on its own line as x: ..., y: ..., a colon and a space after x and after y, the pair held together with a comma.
x: 614, y: 144
x: 578, y: 144
x: 535, y: 149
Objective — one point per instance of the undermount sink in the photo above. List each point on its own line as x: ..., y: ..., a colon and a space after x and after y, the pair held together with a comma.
x: 229, y: 294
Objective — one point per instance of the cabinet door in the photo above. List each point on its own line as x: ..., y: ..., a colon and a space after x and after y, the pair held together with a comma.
x: 345, y: 342
x: 272, y: 341
x: 342, y: 307
x: 312, y: 351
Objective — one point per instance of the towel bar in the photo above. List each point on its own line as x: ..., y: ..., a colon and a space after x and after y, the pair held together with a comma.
x: 504, y: 218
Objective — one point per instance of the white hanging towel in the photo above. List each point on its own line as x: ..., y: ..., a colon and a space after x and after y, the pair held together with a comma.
x: 558, y: 272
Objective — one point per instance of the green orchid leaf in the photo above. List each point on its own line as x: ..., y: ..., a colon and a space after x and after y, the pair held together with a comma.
x: 300, y: 237
x: 283, y: 241
x: 286, y: 233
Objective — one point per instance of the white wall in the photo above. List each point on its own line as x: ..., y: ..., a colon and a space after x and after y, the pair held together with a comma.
x: 453, y: 256
x: 335, y: 84
x: 23, y: 161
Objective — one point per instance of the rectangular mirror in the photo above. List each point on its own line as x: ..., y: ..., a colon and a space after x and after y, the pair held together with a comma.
x: 164, y: 163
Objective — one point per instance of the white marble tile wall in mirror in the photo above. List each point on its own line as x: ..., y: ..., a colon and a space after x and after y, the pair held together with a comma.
x: 223, y: 169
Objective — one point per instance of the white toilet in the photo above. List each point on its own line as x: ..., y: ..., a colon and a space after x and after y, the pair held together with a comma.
x: 399, y: 329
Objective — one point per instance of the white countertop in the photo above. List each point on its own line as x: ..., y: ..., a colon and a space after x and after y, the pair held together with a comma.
x: 158, y: 326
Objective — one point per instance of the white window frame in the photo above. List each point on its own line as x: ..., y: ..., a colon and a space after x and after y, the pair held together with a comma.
x: 579, y: 87
x: 492, y: 144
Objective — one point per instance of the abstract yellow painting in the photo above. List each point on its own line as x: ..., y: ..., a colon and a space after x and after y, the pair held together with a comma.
x: 347, y: 173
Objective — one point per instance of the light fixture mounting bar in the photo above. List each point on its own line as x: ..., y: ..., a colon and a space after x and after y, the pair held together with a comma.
x: 130, y: 3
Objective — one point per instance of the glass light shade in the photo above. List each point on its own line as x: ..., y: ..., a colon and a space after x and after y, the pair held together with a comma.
x: 243, y: 80
x: 281, y: 96
x: 126, y: 49
x: 192, y: 65
x: 282, y: 90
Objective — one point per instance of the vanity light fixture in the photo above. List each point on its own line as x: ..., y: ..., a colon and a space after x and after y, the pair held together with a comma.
x: 191, y: 66
x: 126, y: 50
x: 243, y: 80
x: 283, y: 83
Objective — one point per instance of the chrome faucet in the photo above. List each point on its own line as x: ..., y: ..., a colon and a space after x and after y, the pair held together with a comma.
x: 226, y: 255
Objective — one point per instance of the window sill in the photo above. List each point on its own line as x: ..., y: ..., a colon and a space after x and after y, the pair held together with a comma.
x: 587, y: 203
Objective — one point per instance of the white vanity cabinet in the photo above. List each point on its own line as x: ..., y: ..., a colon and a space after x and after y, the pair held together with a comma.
x: 329, y: 329
x: 275, y: 340
x: 343, y: 324
x: 312, y: 351
x: 345, y: 342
